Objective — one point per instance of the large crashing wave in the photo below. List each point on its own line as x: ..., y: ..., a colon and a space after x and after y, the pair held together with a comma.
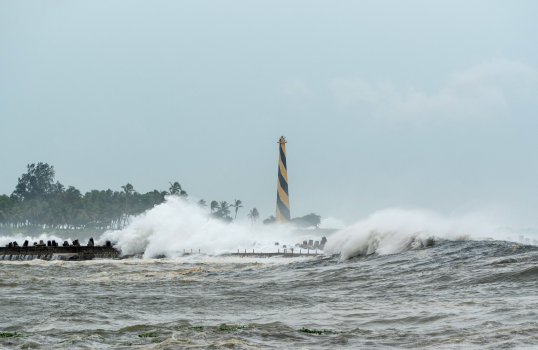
x: 395, y: 230
x: 178, y: 226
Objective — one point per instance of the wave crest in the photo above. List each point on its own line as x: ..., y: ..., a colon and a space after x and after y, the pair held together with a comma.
x: 176, y: 226
x: 392, y: 231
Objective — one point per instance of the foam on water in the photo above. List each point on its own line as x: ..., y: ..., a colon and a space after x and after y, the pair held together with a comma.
x: 392, y: 231
x: 176, y: 226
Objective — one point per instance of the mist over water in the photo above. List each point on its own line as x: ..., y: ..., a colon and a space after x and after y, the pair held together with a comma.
x: 397, y: 278
x: 178, y: 226
x: 392, y: 231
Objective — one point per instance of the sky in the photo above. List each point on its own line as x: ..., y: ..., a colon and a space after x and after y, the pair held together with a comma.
x: 415, y: 104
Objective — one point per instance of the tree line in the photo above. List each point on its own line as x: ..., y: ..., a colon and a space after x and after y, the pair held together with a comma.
x: 41, y: 202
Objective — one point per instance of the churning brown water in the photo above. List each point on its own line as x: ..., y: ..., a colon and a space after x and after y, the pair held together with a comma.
x: 456, y: 294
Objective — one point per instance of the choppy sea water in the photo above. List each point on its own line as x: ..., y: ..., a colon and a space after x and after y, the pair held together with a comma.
x: 459, y: 294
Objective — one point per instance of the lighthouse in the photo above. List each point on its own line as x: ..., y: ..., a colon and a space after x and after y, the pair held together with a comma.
x: 282, y: 196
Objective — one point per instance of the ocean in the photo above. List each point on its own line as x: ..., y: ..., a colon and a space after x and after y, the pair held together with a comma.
x: 415, y: 281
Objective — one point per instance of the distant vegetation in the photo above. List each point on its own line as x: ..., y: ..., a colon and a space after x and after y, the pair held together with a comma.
x: 310, y: 220
x: 40, y: 202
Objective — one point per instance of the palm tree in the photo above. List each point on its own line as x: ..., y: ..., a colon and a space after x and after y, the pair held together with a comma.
x: 253, y: 215
x: 236, y: 205
x: 214, y: 206
x: 176, y: 190
x: 224, y: 209
x: 128, y: 189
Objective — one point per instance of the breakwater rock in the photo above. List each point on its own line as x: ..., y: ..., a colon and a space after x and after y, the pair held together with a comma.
x: 53, y: 251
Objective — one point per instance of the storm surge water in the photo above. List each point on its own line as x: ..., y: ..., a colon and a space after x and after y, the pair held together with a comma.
x: 396, y: 230
x: 178, y: 226
x: 396, y: 279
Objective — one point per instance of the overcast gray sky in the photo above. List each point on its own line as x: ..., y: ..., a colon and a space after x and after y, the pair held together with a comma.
x: 428, y: 104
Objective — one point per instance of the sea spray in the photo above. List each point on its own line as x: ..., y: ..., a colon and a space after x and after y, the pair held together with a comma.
x: 178, y: 226
x: 392, y: 231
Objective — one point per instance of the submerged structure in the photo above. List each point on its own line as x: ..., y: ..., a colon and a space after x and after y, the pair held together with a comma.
x: 282, y: 195
x: 53, y: 251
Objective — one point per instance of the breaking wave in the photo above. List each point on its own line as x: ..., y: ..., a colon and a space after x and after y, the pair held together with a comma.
x: 177, y: 226
x: 395, y: 230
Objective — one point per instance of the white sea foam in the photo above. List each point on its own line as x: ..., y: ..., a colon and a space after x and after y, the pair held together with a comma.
x: 176, y: 226
x: 395, y: 230
x: 331, y: 223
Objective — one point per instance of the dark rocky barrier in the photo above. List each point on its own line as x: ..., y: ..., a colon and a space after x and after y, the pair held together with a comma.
x: 59, y: 253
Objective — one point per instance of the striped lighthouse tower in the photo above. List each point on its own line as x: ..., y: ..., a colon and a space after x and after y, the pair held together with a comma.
x: 282, y: 197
